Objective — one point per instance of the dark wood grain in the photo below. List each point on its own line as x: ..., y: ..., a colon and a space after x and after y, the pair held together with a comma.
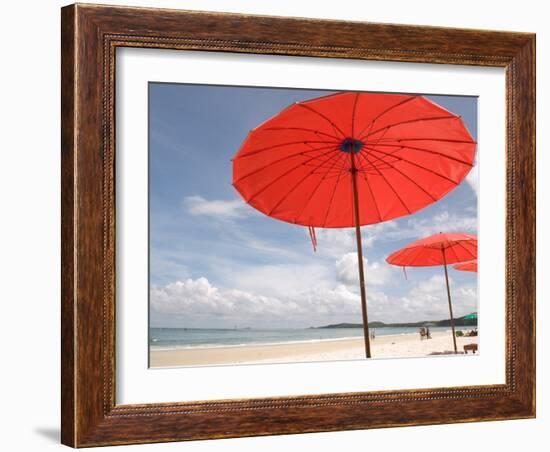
x: 90, y: 36
x: 67, y: 224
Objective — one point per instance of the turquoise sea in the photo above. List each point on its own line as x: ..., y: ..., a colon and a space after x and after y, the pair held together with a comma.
x: 173, y: 338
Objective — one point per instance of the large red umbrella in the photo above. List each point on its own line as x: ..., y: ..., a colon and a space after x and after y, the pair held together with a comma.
x: 470, y: 266
x: 353, y: 159
x: 438, y: 249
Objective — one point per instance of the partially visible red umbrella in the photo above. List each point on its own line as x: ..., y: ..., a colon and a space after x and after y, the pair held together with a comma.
x: 438, y: 249
x: 470, y: 266
x: 352, y: 159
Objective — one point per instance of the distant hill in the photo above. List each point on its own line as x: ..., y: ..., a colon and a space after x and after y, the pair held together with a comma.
x: 460, y: 321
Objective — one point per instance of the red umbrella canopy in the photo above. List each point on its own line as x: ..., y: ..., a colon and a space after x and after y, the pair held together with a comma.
x: 404, y: 151
x: 470, y: 266
x: 438, y: 249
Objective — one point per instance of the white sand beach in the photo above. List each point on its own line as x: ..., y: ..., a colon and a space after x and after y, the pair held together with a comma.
x: 391, y: 346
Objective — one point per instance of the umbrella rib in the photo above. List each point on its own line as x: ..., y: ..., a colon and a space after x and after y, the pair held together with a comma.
x: 452, y: 248
x: 297, y: 154
x: 386, y: 111
x: 303, y: 129
x: 332, y: 198
x: 378, y: 140
x: 307, y: 107
x: 407, y: 176
x: 409, y: 121
x: 321, y: 165
x: 386, y: 180
x: 329, y: 167
x: 411, y: 249
x: 396, y: 258
x: 323, y: 178
x: 333, y: 174
x: 372, y: 196
x: 369, y: 162
x: 459, y: 243
x: 443, y: 140
x: 332, y: 170
x: 430, y: 151
x: 284, y: 174
x: 353, y: 113
x: 410, y: 163
x: 418, y: 250
x: 368, y: 127
x: 300, y: 182
x: 269, y: 148
x: 408, y: 250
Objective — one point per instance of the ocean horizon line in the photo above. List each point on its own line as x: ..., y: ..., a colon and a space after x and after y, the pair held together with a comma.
x: 266, y: 344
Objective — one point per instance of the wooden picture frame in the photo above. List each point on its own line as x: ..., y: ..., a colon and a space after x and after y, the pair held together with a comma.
x: 90, y: 36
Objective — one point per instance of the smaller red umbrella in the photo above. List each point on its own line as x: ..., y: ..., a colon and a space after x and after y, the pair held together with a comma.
x: 470, y: 266
x: 438, y: 249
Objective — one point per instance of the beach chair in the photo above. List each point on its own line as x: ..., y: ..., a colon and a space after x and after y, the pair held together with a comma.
x: 472, y: 347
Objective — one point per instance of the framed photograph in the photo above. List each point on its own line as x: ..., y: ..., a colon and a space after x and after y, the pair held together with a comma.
x: 282, y: 225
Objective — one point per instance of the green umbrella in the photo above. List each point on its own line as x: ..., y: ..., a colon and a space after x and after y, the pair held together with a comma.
x: 473, y: 315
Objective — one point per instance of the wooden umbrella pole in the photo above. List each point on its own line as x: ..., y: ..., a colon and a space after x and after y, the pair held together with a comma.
x: 360, y: 256
x: 449, y: 298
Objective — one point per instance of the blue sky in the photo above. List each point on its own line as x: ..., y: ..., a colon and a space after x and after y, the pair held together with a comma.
x: 217, y: 262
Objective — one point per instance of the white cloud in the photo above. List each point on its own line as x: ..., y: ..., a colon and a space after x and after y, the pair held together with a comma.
x: 430, y: 297
x: 376, y: 274
x: 473, y: 179
x: 197, y: 302
x: 334, y: 242
x: 198, y: 297
x: 442, y: 222
x: 338, y: 241
x: 220, y: 209
x: 280, y: 279
x: 425, y: 300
